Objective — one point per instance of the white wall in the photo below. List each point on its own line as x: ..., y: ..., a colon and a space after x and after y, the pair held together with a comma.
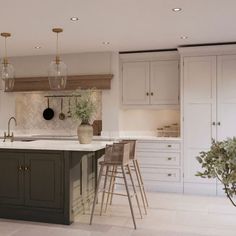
x: 146, y: 121
x: 111, y: 102
x: 7, y: 109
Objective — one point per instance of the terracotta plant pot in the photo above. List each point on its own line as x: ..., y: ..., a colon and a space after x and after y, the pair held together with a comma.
x: 85, y: 133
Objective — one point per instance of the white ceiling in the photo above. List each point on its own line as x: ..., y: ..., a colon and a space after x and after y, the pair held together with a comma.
x: 126, y: 24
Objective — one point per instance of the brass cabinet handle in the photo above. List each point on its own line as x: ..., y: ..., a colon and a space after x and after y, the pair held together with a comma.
x: 151, y: 93
x: 147, y: 94
x: 27, y: 168
x: 20, y: 168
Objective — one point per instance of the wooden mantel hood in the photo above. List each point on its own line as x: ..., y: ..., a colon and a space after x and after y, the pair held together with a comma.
x: 99, y: 81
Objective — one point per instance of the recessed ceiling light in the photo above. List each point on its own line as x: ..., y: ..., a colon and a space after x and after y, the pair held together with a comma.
x: 37, y: 47
x: 74, y: 18
x: 177, y: 9
x: 106, y: 43
x: 184, y: 37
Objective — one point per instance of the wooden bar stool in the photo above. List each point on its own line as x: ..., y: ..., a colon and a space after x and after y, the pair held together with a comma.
x: 136, y: 168
x: 116, y: 156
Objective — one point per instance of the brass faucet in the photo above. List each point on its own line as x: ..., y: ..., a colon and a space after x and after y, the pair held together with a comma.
x: 8, y: 135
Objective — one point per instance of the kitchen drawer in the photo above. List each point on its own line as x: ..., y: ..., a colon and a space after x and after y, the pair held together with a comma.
x: 149, y: 158
x: 158, y: 146
x: 160, y: 174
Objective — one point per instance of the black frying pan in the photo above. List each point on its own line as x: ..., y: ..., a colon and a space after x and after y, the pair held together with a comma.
x: 48, y: 113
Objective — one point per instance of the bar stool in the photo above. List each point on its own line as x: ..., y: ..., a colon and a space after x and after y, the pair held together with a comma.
x: 116, y: 156
x: 136, y: 168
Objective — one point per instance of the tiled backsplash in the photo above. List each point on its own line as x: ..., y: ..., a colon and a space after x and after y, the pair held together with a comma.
x: 29, y: 113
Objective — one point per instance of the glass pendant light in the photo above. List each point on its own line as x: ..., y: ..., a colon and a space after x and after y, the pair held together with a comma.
x: 7, y: 69
x: 57, y: 74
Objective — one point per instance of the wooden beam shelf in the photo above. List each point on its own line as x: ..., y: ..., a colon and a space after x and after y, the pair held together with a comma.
x: 27, y: 84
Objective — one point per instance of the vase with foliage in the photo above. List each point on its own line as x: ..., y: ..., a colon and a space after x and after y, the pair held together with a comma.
x: 220, y: 162
x: 84, y: 110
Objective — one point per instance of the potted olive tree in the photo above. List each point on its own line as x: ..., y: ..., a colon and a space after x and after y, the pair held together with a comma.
x: 84, y: 110
x: 220, y: 162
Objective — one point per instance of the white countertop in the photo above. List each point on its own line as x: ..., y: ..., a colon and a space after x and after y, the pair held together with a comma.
x: 96, y: 138
x: 60, y: 145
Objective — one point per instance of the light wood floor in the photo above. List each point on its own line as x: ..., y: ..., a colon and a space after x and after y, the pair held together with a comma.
x: 168, y: 215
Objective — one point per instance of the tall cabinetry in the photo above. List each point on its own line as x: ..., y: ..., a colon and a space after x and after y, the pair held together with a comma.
x: 150, y: 79
x: 208, y: 108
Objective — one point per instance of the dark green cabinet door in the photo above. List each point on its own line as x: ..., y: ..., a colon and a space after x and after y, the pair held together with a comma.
x: 44, y: 180
x: 11, y: 178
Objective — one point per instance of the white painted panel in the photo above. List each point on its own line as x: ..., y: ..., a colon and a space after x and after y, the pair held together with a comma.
x: 227, y: 119
x: 158, y: 158
x: 167, y: 146
x: 199, y: 90
x: 192, y: 166
x: 160, y: 174
x: 226, y: 79
x: 164, y: 85
x: 135, y: 83
x: 198, y: 126
x: 199, y: 78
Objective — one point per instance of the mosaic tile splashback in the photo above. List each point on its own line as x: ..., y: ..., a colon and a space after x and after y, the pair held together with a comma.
x: 30, y: 107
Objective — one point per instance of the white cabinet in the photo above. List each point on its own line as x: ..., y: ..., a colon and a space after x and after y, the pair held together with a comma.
x: 164, y: 82
x: 160, y: 164
x: 226, y: 96
x: 150, y: 81
x: 135, y: 84
x: 209, y: 112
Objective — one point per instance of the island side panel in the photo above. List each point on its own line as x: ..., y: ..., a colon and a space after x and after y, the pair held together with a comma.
x: 83, y: 179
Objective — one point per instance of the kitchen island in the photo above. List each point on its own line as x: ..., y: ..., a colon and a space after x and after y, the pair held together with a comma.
x: 47, y: 180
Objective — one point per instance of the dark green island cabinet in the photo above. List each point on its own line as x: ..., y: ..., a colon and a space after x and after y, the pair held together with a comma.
x: 47, y: 185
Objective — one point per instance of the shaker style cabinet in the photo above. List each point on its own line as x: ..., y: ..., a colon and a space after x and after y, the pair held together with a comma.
x: 150, y: 82
x: 160, y: 164
x: 135, y: 86
x: 164, y: 83
x: 209, y: 112
x: 31, y: 179
x: 11, y: 179
x: 43, y: 180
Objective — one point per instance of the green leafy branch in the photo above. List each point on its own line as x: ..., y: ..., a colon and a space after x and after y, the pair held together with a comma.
x: 220, y: 162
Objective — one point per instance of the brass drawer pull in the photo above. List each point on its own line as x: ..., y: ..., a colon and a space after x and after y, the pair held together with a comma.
x: 20, y: 168
x: 169, y: 158
x: 169, y: 145
x: 151, y: 93
x: 169, y: 174
x: 147, y: 94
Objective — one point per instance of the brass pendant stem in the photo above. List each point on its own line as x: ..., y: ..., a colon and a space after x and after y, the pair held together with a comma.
x: 5, y: 61
x: 57, y: 60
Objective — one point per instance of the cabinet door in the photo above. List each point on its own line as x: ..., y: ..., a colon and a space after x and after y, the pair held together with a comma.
x: 11, y: 178
x: 226, y: 91
x: 164, y: 86
x: 199, y: 85
x: 135, y: 86
x: 43, y: 180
